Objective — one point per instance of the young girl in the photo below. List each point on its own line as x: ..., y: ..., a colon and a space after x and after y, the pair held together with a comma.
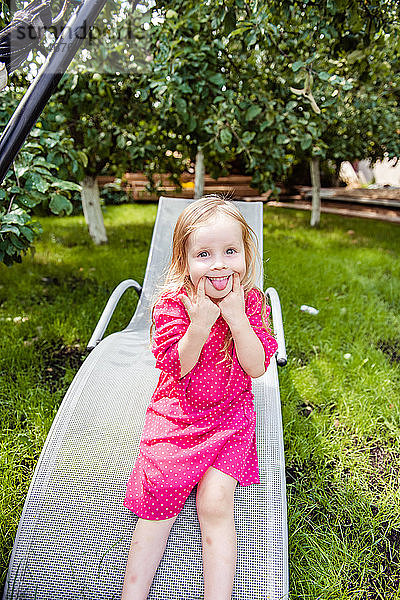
x: 210, y: 339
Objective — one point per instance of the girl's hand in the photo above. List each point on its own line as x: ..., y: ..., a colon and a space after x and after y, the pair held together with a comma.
x: 233, y: 306
x: 203, y: 312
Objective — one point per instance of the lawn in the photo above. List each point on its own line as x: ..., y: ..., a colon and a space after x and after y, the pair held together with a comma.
x: 340, y: 390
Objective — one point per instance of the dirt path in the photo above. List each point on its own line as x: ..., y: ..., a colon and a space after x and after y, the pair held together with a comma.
x: 349, y: 210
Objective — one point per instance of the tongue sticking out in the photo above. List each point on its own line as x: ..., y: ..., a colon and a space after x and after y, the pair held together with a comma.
x: 220, y: 283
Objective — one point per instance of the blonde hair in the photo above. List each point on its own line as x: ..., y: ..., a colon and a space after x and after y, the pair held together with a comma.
x: 194, y: 216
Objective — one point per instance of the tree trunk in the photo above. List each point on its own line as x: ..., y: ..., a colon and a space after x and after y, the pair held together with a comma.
x: 92, y: 210
x: 199, y: 174
x: 338, y: 164
x: 316, y: 192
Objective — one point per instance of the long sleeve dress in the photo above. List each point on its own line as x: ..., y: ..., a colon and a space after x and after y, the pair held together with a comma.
x: 203, y: 419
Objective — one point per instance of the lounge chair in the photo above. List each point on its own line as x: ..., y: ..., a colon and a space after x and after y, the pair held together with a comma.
x: 73, y: 538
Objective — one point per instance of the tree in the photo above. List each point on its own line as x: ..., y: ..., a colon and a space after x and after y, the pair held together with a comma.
x: 40, y: 175
x: 209, y: 99
x: 89, y: 117
x: 276, y: 82
x: 336, y: 60
x: 96, y: 103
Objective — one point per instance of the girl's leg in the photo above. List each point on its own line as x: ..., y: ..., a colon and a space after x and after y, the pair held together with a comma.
x: 147, y: 547
x: 215, y: 510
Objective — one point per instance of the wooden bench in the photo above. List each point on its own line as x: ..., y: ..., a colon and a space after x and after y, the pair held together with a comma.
x: 136, y: 186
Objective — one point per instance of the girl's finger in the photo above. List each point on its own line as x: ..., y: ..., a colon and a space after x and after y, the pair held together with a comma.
x: 186, y: 302
x: 201, y: 287
x: 236, y: 282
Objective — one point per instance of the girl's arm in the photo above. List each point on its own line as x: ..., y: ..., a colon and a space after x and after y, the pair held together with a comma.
x: 190, y: 346
x: 202, y: 313
x: 249, y: 349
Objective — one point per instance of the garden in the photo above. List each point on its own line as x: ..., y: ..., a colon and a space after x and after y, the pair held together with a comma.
x: 259, y: 89
x: 339, y: 390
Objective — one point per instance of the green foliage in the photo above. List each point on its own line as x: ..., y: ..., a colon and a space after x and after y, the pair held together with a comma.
x: 270, y: 83
x: 38, y: 177
x: 99, y: 113
x: 262, y: 85
x: 118, y: 42
x: 17, y: 233
x: 86, y: 128
x: 4, y: 14
x: 339, y: 73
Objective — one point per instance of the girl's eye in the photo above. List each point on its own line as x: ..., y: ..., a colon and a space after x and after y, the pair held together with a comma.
x: 231, y: 251
x: 203, y: 254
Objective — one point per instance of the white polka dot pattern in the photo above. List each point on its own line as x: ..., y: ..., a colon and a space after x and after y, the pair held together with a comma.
x: 204, y: 419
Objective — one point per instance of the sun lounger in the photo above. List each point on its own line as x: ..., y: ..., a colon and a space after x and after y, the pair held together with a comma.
x: 74, y: 534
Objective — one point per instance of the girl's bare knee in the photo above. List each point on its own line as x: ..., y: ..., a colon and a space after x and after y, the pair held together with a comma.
x: 214, y: 504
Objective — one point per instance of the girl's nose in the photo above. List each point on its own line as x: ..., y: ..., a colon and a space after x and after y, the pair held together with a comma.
x: 218, y: 264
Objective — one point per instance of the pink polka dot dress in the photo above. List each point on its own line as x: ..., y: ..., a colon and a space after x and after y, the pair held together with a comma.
x: 204, y: 419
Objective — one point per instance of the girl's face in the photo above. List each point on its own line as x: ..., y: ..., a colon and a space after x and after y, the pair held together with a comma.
x: 215, y: 251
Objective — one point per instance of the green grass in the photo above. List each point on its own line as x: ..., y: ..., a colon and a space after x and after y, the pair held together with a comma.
x: 341, y: 415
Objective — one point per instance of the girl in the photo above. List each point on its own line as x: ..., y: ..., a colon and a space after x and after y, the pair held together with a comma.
x: 210, y: 338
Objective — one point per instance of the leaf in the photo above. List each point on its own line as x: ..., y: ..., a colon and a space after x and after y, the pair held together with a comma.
x: 42, y: 171
x: 59, y: 204
x: 314, y: 105
x: 306, y: 142
x: 355, y: 56
x: 28, y: 233
x: 15, y: 217
x: 252, y: 112
x: 192, y: 123
x: 297, y: 92
x: 218, y: 79
x: 248, y: 136
x: 16, y: 242
x: 40, y: 160
x: 121, y: 142
x: 269, y: 119
x: 226, y: 137
x: 83, y: 157
x: 251, y: 39
x: 181, y: 106
x: 324, y: 76
x: 6, y: 228
x: 19, y: 171
x: 66, y: 185
x: 329, y: 102
x: 218, y: 147
x: 291, y: 105
x: 281, y: 138
x: 74, y: 81
x: 30, y: 199
x: 296, y: 66
x: 229, y: 21
x: 240, y: 31
x: 32, y: 146
x: 34, y: 181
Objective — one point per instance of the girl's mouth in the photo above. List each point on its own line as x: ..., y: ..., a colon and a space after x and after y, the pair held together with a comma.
x: 219, y: 283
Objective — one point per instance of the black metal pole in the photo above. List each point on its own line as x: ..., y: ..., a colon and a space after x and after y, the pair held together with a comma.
x: 40, y: 90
